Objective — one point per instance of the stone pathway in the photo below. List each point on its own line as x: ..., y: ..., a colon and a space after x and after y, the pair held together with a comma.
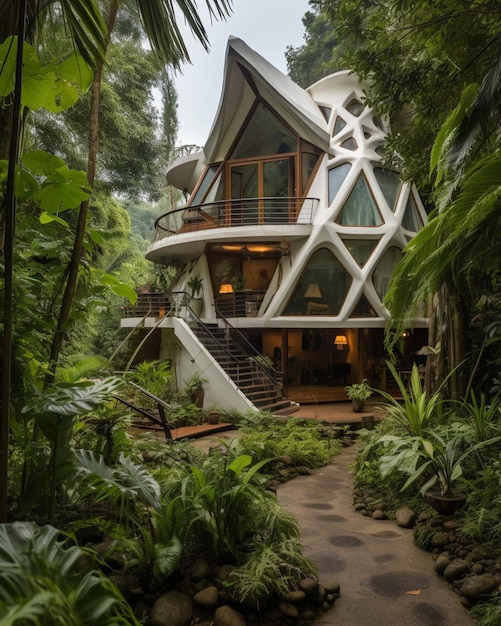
x: 385, y: 579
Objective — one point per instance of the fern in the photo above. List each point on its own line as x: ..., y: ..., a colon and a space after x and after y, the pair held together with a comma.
x: 269, y: 570
x: 167, y: 558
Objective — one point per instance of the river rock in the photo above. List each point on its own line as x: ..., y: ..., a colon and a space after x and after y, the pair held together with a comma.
x: 439, y: 540
x: 456, y: 569
x: 289, y: 610
x: 207, y: 598
x: 475, y: 587
x: 172, y: 609
x: 441, y: 563
x: 226, y: 616
x: 309, y: 586
x: 405, y: 518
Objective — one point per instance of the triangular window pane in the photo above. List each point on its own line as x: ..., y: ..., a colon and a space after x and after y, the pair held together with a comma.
x: 355, y: 107
x: 390, y: 184
x: 363, y: 309
x: 360, y: 208
x: 384, y: 270
x: 339, y: 125
x: 349, y: 144
x: 322, y: 287
x: 326, y: 112
x: 336, y: 178
x: 412, y: 220
x: 361, y: 249
x: 264, y: 135
x: 309, y: 162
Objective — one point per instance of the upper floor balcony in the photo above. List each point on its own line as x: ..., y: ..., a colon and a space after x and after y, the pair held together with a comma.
x: 241, y: 212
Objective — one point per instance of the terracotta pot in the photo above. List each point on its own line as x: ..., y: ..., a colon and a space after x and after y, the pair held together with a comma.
x: 213, y: 417
x: 445, y: 505
x: 357, y: 406
x: 197, y: 398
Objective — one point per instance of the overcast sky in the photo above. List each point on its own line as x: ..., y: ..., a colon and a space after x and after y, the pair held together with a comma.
x: 267, y: 26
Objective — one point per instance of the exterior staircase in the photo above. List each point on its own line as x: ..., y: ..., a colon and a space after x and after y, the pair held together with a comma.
x: 248, y: 369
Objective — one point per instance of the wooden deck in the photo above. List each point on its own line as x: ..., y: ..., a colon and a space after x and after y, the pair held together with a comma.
x: 340, y: 413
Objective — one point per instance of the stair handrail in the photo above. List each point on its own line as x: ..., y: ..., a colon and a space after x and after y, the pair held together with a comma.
x: 219, y: 343
x: 268, y: 370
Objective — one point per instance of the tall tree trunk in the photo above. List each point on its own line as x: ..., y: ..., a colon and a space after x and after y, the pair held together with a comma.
x: 74, y: 264
x: 447, y: 333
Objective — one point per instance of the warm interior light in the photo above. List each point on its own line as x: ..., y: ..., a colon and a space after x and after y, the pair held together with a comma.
x: 226, y: 288
x: 313, y: 291
x: 340, y: 341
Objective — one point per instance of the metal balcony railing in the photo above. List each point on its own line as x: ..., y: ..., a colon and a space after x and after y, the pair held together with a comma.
x: 156, y: 304
x: 232, y: 213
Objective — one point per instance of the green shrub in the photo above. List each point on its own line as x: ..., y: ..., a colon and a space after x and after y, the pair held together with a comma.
x: 42, y: 581
x: 298, y: 439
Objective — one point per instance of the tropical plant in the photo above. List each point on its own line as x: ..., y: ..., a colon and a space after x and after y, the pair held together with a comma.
x: 55, y: 413
x: 127, y: 485
x: 271, y: 568
x: 42, y: 581
x: 220, y: 499
x: 195, y: 284
x: 441, y: 454
x: 359, y: 391
x: 153, y: 376
x: 417, y: 410
x: 194, y: 382
x: 300, y: 440
x: 155, y: 529
x: 483, y: 419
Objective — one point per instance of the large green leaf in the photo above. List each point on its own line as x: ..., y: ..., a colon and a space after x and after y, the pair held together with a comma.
x: 54, y: 87
x: 41, y: 581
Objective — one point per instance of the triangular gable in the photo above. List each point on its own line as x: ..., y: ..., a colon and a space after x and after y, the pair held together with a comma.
x: 291, y: 102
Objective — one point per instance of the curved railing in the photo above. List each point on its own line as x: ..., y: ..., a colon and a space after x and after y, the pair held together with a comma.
x: 239, y: 212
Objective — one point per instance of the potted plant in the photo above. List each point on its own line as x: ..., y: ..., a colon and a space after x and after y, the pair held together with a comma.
x: 195, y: 284
x: 213, y: 415
x: 195, y: 389
x: 358, y: 393
x: 442, y: 455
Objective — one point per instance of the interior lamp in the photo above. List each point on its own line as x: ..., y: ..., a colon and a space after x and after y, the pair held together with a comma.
x: 313, y: 291
x: 340, y: 341
x: 226, y: 288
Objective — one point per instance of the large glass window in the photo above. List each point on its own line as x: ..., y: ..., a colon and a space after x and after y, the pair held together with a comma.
x: 204, y: 185
x: 412, y: 220
x: 384, y: 269
x: 336, y: 178
x: 390, y: 184
x: 264, y: 135
x: 361, y: 249
x: 322, y: 287
x: 360, y: 209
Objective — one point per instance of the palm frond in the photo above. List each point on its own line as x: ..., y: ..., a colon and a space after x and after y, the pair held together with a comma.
x: 87, y: 27
x: 160, y: 22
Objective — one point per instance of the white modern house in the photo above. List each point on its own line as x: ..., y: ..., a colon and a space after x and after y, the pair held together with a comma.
x: 291, y: 229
